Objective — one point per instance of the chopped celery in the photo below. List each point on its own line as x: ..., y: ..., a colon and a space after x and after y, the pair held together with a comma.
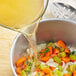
x: 72, y: 57
x: 38, y: 74
x: 43, y: 66
x: 28, y: 69
x: 72, y: 67
x: 62, y: 49
x: 59, y: 68
x: 70, y: 73
x: 51, y: 44
x: 26, y: 62
x: 58, y: 73
x: 68, y: 69
x: 57, y: 59
x: 23, y: 73
x: 62, y: 54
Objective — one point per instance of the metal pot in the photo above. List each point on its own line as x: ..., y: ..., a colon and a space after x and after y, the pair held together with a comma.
x: 51, y: 29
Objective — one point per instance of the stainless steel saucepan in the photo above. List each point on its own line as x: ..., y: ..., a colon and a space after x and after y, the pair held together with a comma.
x: 51, y: 29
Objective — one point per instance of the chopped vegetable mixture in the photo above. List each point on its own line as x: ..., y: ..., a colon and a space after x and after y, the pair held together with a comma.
x: 56, y: 59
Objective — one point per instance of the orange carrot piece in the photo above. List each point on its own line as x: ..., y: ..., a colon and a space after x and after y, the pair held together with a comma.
x: 61, y: 63
x: 40, y: 74
x: 74, y: 73
x: 23, y: 66
x: 50, y: 48
x: 41, y: 52
x: 28, y: 57
x: 47, y: 75
x: 73, y: 60
x: 56, y: 51
x: 18, y: 70
x: 18, y: 75
x: 44, y: 58
x: 49, y: 52
x: 47, y: 71
x: 65, y: 59
x: 20, y: 61
x: 52, y: 68
x: 61, y: 43
x: 53, y: 55
x: 66, y: 74
x: 67, y: 51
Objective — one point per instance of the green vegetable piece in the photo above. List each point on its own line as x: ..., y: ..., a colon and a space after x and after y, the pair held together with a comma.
x: 43, y: 66
x: 73, y: 53
x: 58, y: 73
x: 68, y: 69
x: 72, y: 67
x: 38, y: 74
x: 59, y: 68
x: 62, y: 54
x: 57, y: 59
x: 23, y: 73
x: 46, y: 50
x: 51, y: 44
x: 26, y: 62
x: 70, y: 73
x: 72, y: 57
x: 62, y: 49
x: 27, y: 69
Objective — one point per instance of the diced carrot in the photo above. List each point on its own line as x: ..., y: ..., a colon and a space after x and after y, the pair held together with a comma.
x: 28, y: 57
x: 49, y: 52
x: 18, y: 75
x: 37, y: 69
x: 52, y: 68
x: 73, y: 60
x: 66, y: 74
x: 41, y: 52
x: 47, y: 75
x: 18, y: 70
x: 53, y: 55
x: 39, y: 74
x: 20, y: 61
x: 56, y: 51
x: 47, y: 71
x: 44, y: 58
x: 61, y: 43
x: 67, y: 51
x: 65, y: 59
x: 50, y: 48
x: 61, y: 63
x: 23, y: 66
x: 74, y: 73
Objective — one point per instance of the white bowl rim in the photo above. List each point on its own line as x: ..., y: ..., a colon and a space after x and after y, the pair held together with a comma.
x: 18, y: 35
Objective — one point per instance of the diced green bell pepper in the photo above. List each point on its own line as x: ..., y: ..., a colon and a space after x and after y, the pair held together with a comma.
x: 23, y: 73
x: 72, y: 57
x: 72, y: 67
x: 59, y: 68
x: 43, y: 66
x: 58, y: 73
x: 28, y: 69
x: 62, y: 54
x: 62, y: 49
x: 57, y: 59
x: 51, y: 44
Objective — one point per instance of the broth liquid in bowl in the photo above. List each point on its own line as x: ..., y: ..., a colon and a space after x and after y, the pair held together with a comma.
x: 18, y: 14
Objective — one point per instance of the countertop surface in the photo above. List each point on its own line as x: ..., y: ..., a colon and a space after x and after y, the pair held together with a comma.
x: 6, y: 39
